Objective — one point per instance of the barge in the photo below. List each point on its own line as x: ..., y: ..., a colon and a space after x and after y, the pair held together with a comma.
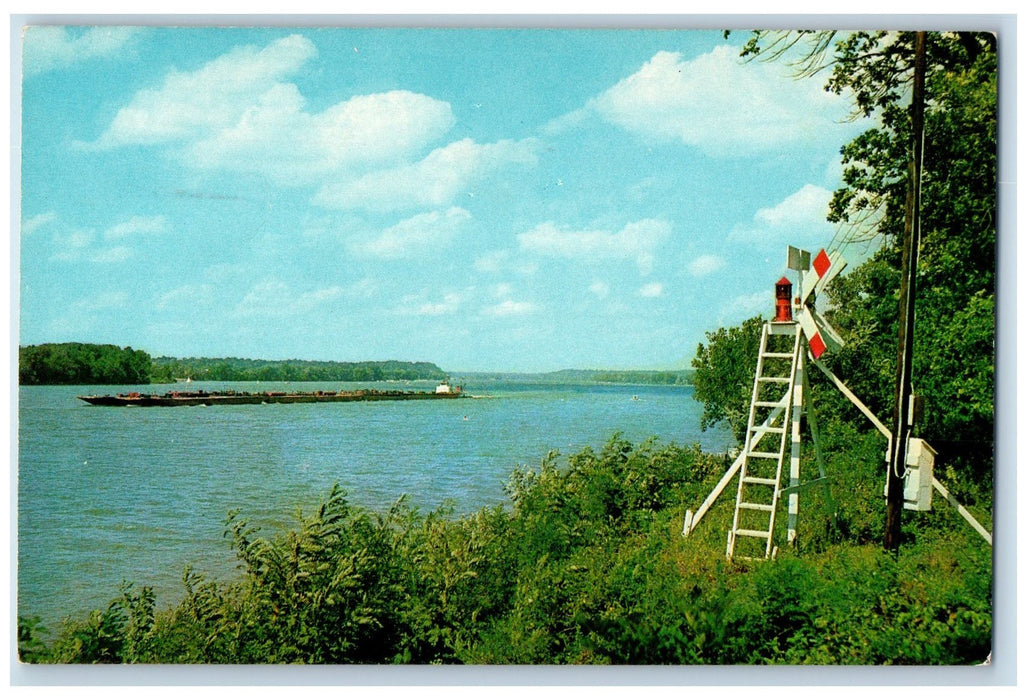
x: 237, y: 398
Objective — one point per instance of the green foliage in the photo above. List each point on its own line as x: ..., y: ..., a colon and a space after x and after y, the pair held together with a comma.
x: 85, y: 363
x: 590, y: 376
x: 724, y: 370
x: 120, y: 634
x: 584, y: 565
x: 82, y: 363
x: 954, y: 336
x: 31, y: 633
x: 167, y: 369
x: 954, y: 339
x: 641, y: 377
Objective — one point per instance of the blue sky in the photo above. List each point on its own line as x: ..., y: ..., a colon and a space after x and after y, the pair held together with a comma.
x: 495, y: 199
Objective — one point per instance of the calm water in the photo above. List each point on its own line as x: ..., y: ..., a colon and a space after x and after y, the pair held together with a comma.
x: 137, y: 494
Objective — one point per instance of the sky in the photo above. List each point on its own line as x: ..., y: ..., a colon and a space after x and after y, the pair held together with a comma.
x: 484, y: 199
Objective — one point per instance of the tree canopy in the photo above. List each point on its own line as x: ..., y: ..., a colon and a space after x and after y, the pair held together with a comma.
x: 88, y: 363
x: 237, y: 369
x: 82, y: 363
x: 954, y: 338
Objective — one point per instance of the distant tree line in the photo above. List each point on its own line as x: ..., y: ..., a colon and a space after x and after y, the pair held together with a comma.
x: 611, y: 376
x: 87, y: 363
x: 644, y: 377
x: 82, y: 363
x: 242, y: 370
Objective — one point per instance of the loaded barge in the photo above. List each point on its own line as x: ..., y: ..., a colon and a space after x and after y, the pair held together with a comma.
x: 236, y: 398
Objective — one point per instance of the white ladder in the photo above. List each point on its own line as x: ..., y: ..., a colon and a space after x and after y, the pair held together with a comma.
x: 759, y: 483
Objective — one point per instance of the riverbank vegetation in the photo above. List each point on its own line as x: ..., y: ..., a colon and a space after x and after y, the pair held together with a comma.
x: 90, y: 363
x: 233, y: 369
x: 82, y: 363
x: 584, y: 564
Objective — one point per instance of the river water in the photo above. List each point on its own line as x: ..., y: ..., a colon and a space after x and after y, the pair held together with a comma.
x: 107, y: 495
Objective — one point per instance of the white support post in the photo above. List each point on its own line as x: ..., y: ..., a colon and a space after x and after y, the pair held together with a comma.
x: 793, y: 472
x: 961, y: 510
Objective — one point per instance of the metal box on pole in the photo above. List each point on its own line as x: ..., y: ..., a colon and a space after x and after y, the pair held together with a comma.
x: 919, y: 475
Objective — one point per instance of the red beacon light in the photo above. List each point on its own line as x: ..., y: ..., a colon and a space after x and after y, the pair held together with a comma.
x: 783, y: 289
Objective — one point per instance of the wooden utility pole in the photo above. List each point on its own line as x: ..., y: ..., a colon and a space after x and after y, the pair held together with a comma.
x: 907, y: 298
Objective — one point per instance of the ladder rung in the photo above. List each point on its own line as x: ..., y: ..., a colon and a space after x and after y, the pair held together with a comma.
x: 782, y: 355
x: 763, y: 534
x: 759, y: 480
x: 773, y: 404
x: 757, y: 506
x: 764, y: 455
x: 775, y: 380
x: 767, y: 429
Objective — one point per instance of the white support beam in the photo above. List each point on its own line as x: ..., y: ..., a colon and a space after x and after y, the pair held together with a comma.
x: 692, y: 519
x: 961, y: 510
x: 854, y: 399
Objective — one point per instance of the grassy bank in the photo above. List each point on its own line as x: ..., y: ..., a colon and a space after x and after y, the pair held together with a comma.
x: 583, y: 564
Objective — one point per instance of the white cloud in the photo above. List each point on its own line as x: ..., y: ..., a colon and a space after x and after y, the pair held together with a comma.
x: 502, y: 290
x: 566, y: 122
x: 502, y: 261
x: 363, y: 289
x: 600, y: 289
x: 50, y: 47
x: 799, y: 219
x: 187, y: 296
x: 78, y: 244
x: 637, y: 240
x: 101, y: 302
x: 136, y: 225
x: 493, y: 261
x: 705, y: 265
x: 117, y: 254
x: 34, y: 223
x: 71, y: 245
x: 719, y: 104
x: 420, y: 234
x: 276, y: 138
x: 811, y: 203
x: 651, y: 290
x: 434, y: 181
x: 275, y: 299
x: 746, y: 306
x: 238, y: 113
x: 211, y: 98
x: 89, y: 317
x: 449, y: 304
x: 509, y: 307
